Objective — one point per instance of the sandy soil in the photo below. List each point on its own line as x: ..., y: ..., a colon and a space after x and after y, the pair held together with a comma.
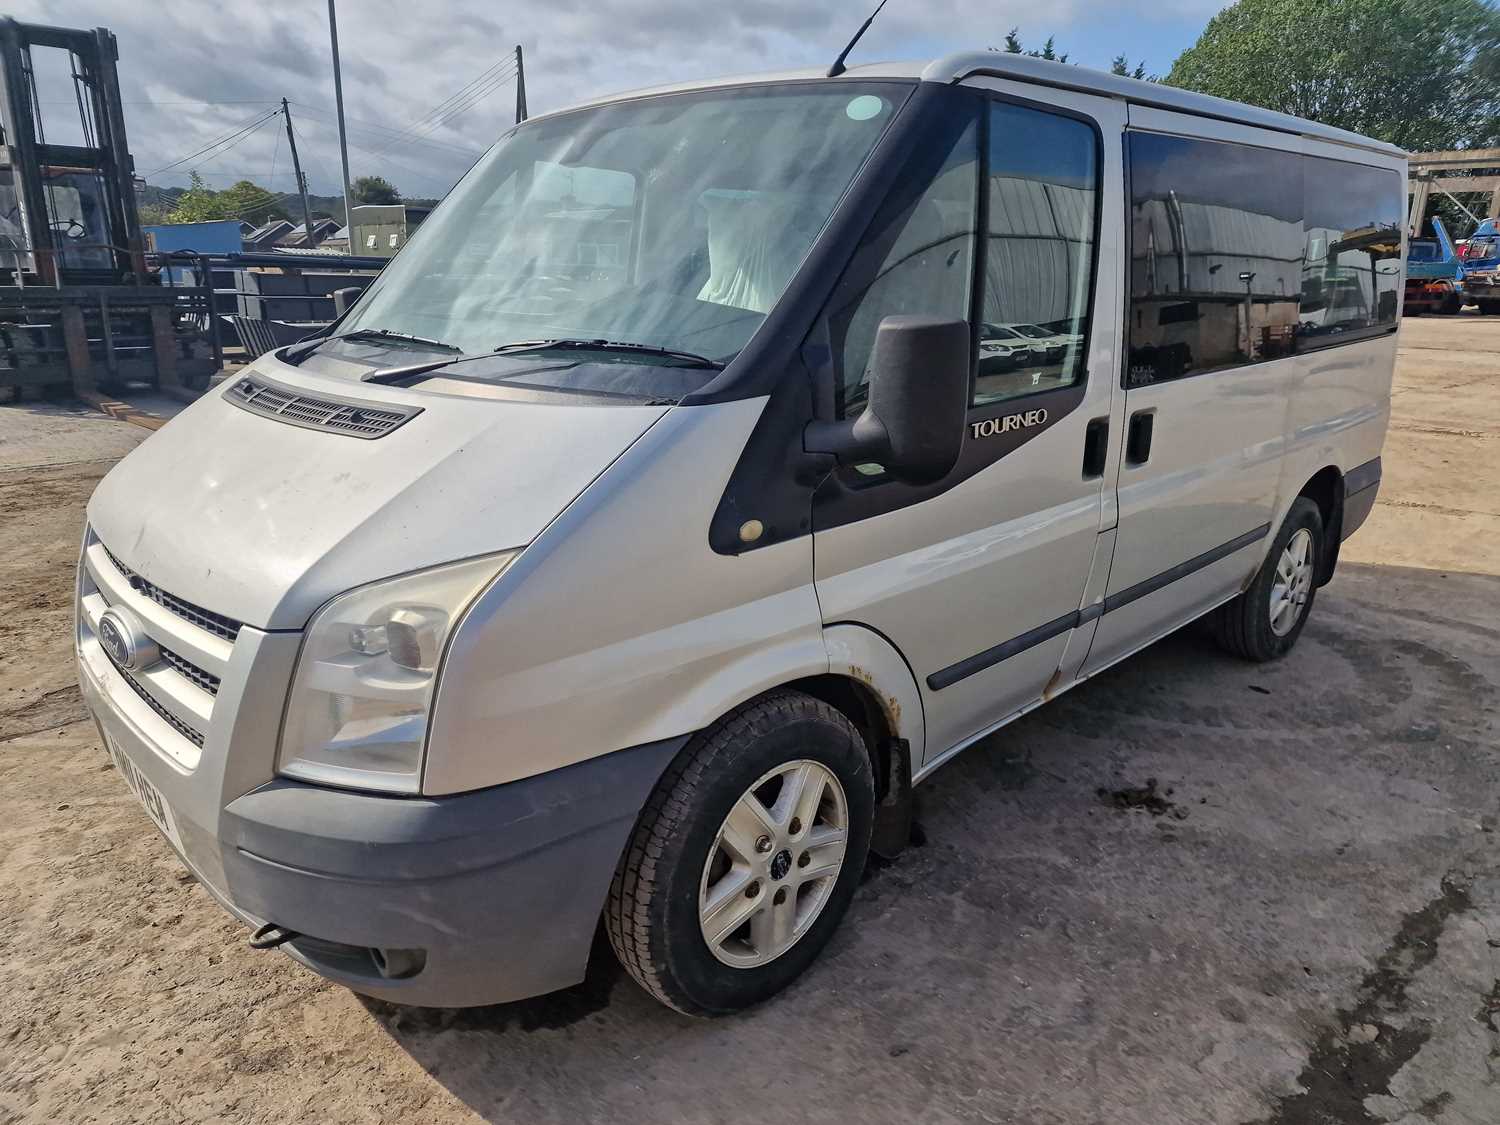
x: 1303, y: 926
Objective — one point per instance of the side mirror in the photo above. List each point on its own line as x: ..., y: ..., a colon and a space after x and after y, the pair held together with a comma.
x: 913, y: 424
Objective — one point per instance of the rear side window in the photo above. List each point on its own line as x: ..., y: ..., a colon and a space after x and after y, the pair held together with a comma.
x: 1215, y: 255
x: 1042, y: 179
x: 1241, y: 254
x: 1351, y: 271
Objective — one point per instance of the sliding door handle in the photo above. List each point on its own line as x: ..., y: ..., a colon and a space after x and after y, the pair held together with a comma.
x: 1138, y: 437
x: 1095, y: 448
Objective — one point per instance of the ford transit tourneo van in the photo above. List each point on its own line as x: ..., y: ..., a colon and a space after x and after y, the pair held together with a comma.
x: 663, y: 513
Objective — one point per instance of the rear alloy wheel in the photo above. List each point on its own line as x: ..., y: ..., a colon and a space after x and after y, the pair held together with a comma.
x: 1293, y: 584
x: 745, y: 857
x: 1265, y: 621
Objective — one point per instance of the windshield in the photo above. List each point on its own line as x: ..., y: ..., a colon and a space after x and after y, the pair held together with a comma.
x: 674, y: 222
x: 1422, y: 251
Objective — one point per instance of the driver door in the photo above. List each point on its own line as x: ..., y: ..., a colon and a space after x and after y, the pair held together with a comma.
x: 979, y: 578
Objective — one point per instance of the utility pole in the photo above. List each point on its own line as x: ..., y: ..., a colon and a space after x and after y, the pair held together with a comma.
x: 291, y: 139
x: 338, y: 101
x: 520, y: 86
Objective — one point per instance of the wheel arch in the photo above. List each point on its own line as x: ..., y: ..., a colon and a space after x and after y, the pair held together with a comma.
x: 1325, y: 488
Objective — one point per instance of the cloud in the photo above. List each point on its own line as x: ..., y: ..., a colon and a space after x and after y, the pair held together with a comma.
x: 192, y: 72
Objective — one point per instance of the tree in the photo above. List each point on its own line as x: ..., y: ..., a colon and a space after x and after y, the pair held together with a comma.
x: 251, y: 202
x: 1013, y: 46
x: 1421, y: 74
x: 196, y: 205
x: 373, y: 189
x: 245, y: 200
x: 1121, y: 66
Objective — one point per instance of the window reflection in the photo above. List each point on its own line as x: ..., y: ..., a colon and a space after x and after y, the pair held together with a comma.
x: 1216, y: 255
x: 1042, y: 181
x: 1242, y: 254
x: 1352, y: 270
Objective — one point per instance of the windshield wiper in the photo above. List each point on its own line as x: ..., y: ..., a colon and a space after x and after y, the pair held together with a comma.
x: 384, y: 334
x: 519, y: 347
x: 689, y: 359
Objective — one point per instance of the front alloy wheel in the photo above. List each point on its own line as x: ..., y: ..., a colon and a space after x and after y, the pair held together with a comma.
x: 774, y: 863
x: 746, y: 855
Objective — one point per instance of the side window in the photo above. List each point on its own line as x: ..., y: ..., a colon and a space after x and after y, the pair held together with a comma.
x: 928, y: 270
x: 1216, y: 246
x: 1351, y: 271
x: 1042, y: 179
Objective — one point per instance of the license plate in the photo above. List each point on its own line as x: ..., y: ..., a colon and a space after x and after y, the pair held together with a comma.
x: 151, y: 800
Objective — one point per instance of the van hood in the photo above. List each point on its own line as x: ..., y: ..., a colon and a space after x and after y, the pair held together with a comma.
x: 264, y: 521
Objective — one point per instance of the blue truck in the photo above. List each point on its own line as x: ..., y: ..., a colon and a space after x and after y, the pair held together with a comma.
x: 1436, y: 275
x: 1481, y: 264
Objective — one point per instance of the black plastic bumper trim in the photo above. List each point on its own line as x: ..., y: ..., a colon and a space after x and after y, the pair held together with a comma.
x: 1362, y: 477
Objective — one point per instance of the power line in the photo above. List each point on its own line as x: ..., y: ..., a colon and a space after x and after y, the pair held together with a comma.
x: 461, y: 93
x: 473, y: 100
x: 434, y: 116
x: 275, y: 155
x: 249, y: 127
x: 385, y: 132
x: 245, y: 137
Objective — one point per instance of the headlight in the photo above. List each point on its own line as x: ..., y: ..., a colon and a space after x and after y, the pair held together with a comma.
x: 359, y: 704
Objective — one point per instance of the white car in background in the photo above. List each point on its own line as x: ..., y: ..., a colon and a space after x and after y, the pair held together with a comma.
x: 1004, y: 349
x: 1047, y: 345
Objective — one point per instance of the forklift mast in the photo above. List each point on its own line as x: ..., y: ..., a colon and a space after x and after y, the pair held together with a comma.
x: 67, y: 212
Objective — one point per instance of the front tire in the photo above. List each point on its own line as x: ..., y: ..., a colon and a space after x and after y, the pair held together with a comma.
x: 1265, y: 621
x: 746, y: 856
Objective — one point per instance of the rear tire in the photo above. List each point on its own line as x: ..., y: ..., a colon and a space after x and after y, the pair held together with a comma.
x: 685, y: 872
x: 1265, y: 621
x: 1452, y: 305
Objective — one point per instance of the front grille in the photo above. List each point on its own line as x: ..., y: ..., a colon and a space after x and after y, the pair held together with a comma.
x: 206, y: 680
x: 341, y: 416
x: 215, y: 623
x: 187, y: 732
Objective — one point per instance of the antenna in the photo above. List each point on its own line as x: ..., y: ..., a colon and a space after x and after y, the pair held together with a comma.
x: 838, y: 64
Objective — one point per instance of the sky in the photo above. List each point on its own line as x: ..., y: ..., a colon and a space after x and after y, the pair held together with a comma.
x: 192, y: 72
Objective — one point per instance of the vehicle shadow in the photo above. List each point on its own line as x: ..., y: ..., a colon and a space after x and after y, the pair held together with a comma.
x: 1185, y: 854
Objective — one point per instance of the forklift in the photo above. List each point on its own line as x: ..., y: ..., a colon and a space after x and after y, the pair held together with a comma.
x: 81, y: 309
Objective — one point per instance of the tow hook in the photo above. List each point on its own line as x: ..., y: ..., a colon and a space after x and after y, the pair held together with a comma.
x: 271, y: 935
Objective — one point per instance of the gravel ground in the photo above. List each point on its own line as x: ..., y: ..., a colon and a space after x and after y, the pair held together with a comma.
x: 1191, y: 890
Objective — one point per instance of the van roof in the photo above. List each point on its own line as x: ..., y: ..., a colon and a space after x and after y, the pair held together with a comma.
x: 1024, y: 68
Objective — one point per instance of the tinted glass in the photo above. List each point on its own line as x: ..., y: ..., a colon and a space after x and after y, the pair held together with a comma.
x: 673, y: 221
x: 1352, y: 269
x: 1043, y: 180
x: 928, y: 269
x: 1216, y: 246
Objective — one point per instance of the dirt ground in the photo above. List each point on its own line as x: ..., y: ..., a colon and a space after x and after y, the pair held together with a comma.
x: 1190, y: 891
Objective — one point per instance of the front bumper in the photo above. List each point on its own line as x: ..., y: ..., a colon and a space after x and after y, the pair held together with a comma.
x: 476, y: 898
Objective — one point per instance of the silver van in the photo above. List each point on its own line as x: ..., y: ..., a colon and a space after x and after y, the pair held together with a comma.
x: 653, y: 524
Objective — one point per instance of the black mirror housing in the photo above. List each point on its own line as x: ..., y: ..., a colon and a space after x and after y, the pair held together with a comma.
x: 913, y: 424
